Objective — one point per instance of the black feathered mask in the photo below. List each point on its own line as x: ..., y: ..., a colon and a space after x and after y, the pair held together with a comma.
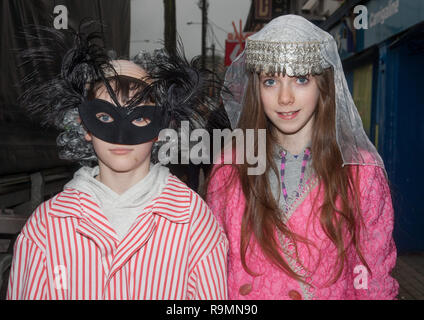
x: 129, y: 124
x: 77, y: 62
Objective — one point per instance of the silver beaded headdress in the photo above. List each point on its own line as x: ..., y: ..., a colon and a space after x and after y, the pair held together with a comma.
x: 293, y: 59
x: 294, y: 46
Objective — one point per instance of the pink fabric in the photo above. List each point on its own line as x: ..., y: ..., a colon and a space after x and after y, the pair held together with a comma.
x: 377, y: 245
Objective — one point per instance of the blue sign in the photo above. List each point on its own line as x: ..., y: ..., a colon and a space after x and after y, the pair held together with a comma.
x: 386, y: 18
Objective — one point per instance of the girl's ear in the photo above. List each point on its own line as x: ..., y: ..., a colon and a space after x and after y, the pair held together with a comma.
x: 87, y: 136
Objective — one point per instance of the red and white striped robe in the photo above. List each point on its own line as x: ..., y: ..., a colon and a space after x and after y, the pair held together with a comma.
x: 68, y: 250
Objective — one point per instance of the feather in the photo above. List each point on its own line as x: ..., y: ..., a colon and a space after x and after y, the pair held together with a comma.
x: 61, y: 63
x: 181, y: 88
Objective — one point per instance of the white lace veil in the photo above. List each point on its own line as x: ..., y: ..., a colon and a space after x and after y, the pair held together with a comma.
x: 292, y: 45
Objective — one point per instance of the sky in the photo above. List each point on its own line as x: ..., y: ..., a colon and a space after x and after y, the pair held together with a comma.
x: 147, y: 23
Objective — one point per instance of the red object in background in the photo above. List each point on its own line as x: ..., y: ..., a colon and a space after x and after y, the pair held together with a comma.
x: 232, y: 50
x: 235, y: 43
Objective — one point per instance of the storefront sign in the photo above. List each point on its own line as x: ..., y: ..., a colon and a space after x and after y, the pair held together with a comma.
x: 386, y: 18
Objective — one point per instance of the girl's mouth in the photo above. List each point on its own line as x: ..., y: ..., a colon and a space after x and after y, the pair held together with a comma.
x: 120, y: 151
x: 288, y: 115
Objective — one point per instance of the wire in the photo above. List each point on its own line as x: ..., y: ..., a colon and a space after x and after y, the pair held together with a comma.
x: 222, y: 29
x: 217, y: 41
x: 216, y: 38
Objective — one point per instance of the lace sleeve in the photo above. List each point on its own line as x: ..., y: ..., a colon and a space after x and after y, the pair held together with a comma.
x: 377, y: 242
x: 223, y: 190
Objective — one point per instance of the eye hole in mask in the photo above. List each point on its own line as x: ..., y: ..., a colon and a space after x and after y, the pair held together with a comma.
x: 104, y: 117
x: 141, y: 122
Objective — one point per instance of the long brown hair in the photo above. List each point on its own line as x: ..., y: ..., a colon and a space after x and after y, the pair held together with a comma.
x: 339, y: 213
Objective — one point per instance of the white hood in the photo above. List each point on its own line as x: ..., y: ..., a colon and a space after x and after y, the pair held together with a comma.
x: 121, y: 209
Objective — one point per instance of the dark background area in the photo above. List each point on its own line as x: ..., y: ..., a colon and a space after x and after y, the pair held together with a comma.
x: 23, y: 146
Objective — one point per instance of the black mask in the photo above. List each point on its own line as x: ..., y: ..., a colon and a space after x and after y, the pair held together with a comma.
x: 120, y: 129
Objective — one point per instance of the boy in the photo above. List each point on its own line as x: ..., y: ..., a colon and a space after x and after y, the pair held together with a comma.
x: 125, y: 229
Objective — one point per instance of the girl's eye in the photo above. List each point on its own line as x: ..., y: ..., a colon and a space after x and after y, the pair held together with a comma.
x: 104, y: 117
x: 302, y: 80
x: 269, y: 82
x: 141, y: 122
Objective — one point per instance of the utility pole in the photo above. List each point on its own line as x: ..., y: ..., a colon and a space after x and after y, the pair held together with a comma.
x: 213, y: 68
x: 170, y: 26
x: 204, y: 7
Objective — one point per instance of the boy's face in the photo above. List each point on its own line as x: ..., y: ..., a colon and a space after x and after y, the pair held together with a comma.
x: 119, y: 157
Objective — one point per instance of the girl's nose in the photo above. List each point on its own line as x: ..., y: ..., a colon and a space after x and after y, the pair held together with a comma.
x: 285, y: 94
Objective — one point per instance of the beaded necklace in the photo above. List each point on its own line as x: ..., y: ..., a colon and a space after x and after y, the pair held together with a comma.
x: 307, y: 288
x: 306, y: 157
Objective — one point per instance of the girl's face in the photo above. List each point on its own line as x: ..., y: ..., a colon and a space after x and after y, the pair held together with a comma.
x: 119, y: 158
x: 289, y: 103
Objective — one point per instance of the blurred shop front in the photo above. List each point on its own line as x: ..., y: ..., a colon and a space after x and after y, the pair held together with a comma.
x: 384, y: 66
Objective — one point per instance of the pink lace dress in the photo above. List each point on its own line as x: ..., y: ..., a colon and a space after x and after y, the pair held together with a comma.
x: 376, y: 243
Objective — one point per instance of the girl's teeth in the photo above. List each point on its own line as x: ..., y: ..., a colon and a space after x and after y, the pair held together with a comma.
x: 288, y: 113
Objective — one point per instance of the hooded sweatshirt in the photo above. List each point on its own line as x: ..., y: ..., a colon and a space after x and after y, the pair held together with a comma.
x: 121, y: 209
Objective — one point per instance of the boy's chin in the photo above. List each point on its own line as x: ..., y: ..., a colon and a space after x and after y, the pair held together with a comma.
x: 125, y: 165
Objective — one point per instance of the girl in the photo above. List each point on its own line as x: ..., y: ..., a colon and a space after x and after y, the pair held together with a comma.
x: 318, y: 224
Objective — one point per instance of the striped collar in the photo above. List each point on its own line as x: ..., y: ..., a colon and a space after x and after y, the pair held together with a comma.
x: 173, y: 204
